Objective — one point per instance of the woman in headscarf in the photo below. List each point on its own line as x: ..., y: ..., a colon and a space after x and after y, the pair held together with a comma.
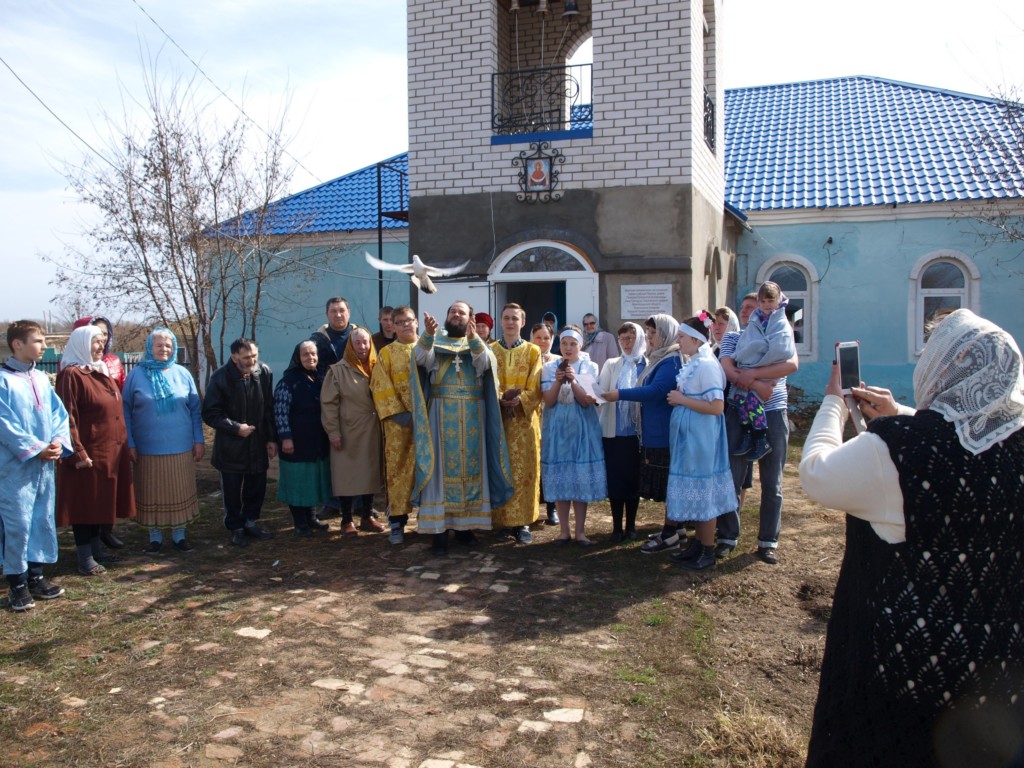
x: 117, y: 372
x: 572, y: 457
x: 542, y: 335
x: 619, y: 425
x: 163, y: 417
x: 350, y: 420
x: 94, y: 486
x: 924, y: 654
x: 652, y: 387
x: 304, y: 481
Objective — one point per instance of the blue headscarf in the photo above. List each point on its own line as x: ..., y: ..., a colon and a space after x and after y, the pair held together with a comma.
x: 154, y: 369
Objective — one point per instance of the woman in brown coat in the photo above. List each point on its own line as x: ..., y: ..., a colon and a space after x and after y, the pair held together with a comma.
x: 352, y: 426
x: 94, y: 487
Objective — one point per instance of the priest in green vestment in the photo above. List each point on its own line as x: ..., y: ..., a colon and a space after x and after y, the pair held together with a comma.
x: 462, y: 463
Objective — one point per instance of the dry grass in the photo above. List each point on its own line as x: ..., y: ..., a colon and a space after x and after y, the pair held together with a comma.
x: 143, y: 666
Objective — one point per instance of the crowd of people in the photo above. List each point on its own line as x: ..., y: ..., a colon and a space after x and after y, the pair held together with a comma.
x: 445, y: 426
x: 923, y: 657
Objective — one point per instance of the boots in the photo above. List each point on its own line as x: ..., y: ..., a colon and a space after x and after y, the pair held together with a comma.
x: 746, y: 444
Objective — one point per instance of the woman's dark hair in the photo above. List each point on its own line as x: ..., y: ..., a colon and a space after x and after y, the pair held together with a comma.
x: 625, y: 328
x: 698, y: 325
x: 538, y: 326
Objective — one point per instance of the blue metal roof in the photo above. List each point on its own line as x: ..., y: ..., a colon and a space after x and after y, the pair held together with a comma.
x: 347, y: 203
x: 842, y: 142
x: 865, y: 141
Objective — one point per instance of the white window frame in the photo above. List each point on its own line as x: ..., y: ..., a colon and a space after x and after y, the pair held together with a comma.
x: 969, y: 294
x: 808, y: 348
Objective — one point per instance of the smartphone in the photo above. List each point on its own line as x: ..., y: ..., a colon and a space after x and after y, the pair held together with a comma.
x: 848, y: 357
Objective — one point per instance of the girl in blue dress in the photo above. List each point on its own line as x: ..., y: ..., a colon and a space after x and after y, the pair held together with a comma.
x: 571, y: 454
x: 700, y: 482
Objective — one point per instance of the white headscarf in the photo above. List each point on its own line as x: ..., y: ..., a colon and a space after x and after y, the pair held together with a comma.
x: 628, y: 375
x: 665, y: 327
x: 970, y: 372
x: 78, y: 350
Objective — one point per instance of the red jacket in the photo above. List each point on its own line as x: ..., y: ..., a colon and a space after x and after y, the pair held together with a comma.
x: 117, y: 372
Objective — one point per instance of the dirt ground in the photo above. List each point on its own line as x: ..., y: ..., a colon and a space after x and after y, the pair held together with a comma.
x: 352, y: 652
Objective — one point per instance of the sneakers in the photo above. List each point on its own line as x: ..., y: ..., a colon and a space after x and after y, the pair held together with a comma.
x: 705, y: 560
x: 20, y: 599
x: 760, y: 450
x: 746, y: 444
x: 524, y: 536
x: 658, y: 544
x: 41, y: 589
x: 690, y: 552
x: 397, y: 535
x: 768, y: 555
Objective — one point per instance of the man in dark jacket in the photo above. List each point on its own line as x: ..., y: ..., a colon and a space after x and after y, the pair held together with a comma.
x: 332, y: 336
x: 239, y: 405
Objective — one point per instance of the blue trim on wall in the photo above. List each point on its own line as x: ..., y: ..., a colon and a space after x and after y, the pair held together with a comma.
x: 526, y: 138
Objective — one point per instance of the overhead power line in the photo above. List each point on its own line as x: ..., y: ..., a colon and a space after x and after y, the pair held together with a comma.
x: 223, y: 93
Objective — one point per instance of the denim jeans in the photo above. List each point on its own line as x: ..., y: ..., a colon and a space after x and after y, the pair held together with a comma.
x: 770, y: 475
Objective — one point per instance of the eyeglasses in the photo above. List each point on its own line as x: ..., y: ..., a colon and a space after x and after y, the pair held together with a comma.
x: 589, y: 325
x: 405, y: 321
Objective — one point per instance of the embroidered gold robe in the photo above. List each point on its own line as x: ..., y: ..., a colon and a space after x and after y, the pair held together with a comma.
x: 520, y: 368
x: 391, y: 396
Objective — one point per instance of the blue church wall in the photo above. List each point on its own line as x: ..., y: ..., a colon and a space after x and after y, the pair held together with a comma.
x: 864, y: 291
x: 293, y: 304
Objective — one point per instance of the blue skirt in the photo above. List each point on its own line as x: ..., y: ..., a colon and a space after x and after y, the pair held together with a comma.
x: 571, y: 454
x: 700, y: 481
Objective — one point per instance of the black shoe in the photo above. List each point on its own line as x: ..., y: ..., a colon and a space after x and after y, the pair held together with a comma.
x: 255, y: 532
x: 239, y: 539
x: 108, y: 538
x: 704, y: 561
x: 746, y: 444
x: 467, y: 538
x: 504, y: 534
x: 524, y: 535
x: 316, y: 525
x: 41, y: 589
x: 630, y: 535
x: 761, y: 449
x: 108, y: 559
x: 184, y: 545
x: 20, y: 599
x: 616, y: 537
x: 691, y: 552
x: 153, y: 548
x: 303, y: 533
x: 723, y: 550
x: 552, y: 517
x: 768, y: 555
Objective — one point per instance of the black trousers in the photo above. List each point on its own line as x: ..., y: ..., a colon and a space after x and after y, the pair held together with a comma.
x: 243, y: 497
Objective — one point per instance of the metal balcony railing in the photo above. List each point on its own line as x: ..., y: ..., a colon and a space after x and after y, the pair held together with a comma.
x: 541, y: 100
x: 709, y: 120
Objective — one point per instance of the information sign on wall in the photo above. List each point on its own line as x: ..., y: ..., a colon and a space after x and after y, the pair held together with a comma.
x: 639, y: 302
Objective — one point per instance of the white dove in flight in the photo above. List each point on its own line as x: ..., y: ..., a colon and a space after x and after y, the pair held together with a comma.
x: 419, y: 273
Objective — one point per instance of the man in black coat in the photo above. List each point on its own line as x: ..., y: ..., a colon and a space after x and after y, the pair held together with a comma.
x: 239, y: 405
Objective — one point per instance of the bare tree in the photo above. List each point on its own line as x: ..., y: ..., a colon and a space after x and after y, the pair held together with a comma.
x: 999, y: 163
x: 161, y: 189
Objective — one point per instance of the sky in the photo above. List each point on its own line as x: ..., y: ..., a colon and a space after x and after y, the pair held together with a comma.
x: 337, y: 67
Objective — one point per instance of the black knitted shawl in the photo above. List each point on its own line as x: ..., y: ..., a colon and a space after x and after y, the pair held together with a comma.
x: 924, y: 656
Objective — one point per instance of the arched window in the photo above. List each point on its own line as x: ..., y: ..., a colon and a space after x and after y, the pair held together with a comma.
x: 941, y: 280
x: 798, y: 280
